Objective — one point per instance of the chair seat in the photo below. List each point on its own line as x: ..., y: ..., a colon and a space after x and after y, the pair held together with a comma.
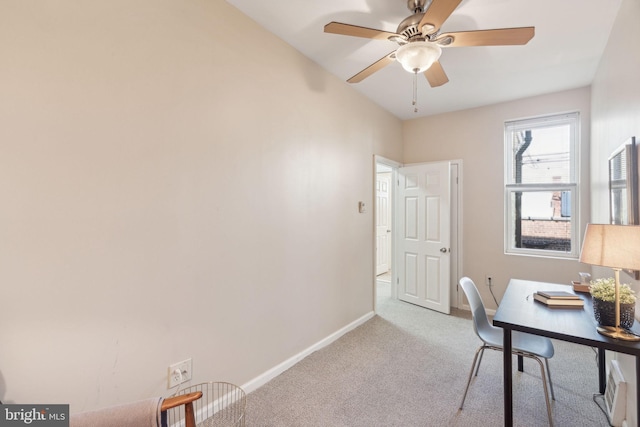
x: 540, y: 346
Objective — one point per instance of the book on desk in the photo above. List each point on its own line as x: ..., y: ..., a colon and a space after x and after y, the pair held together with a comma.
x: 559, y: 299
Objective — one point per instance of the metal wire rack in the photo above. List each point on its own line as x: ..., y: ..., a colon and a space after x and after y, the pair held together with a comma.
x: 221, y: 405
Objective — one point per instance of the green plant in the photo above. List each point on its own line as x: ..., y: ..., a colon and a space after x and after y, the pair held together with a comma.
x: 604, y: 289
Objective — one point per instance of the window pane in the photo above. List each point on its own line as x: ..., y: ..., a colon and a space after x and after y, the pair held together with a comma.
x: 541, y: 220
x: 541, y: 155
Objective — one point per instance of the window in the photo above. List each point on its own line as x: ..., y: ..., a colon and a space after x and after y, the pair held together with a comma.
x: 541, y: 186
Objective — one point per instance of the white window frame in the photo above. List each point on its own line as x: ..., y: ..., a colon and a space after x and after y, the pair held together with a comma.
x: 573, y: 119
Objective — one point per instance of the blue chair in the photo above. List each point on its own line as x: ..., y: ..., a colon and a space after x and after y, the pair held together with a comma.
x: 526, y: 345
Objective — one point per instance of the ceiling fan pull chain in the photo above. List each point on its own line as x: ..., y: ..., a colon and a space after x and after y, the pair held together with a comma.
x: 415, y: 91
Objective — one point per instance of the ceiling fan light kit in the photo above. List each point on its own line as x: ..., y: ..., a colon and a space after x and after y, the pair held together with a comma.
x: 420, y: 42
x: 418, y: 56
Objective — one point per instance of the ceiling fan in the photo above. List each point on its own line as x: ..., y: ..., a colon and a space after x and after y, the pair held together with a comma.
x: 420, y: 42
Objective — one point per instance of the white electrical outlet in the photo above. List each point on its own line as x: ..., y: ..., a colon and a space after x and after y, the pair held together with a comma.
x: 180, y: 373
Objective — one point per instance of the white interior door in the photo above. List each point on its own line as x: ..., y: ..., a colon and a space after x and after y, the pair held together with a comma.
x: 424, y: 241
x: 383, y: 223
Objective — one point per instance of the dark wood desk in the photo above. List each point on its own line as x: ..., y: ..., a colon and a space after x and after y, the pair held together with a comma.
x: 519, y: 312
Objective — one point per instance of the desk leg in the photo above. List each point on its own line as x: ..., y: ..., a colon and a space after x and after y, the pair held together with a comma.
x: 637, y: 387
x: 507, y: 368
x: 602, y: 370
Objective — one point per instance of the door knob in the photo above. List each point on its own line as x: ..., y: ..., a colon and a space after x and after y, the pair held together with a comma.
x: 443, y: 250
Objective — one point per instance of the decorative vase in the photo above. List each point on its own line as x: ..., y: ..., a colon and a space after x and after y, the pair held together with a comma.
x: 605, y: 313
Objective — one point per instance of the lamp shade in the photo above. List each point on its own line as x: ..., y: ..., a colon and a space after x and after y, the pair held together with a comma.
x: 417, y: 57
x: 614, y: 246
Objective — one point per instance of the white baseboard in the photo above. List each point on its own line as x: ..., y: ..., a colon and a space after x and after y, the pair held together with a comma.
x: 264, y: 378
x: 490, y: 312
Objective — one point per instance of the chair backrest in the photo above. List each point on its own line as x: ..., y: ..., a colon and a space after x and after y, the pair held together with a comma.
x: 480, y: 319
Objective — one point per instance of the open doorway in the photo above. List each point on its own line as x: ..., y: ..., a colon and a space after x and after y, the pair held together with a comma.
x: 386, y: 226
x: 384, y: 218
x: 385, y: 176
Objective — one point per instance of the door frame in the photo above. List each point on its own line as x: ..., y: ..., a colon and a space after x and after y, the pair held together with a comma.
x: 456, y: 297
x: 456, y: 235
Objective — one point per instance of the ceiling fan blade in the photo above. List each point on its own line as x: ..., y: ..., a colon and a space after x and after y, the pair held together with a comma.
x: 356, y: 31
x: 376, y: 66
x: 436, y: 14
x: 436, y: 75
x: 499, y: 37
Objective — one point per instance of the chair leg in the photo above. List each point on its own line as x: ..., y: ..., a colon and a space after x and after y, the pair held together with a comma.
x: 553, y: 396
x: 479, y: 360
x: 544, y: 385
x: 480, y: 350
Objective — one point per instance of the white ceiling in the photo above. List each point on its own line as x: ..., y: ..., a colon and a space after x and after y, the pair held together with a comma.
x: 570, y: 36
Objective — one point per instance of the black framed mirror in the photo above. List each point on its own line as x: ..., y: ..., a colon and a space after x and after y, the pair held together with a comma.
x: 623, y: 187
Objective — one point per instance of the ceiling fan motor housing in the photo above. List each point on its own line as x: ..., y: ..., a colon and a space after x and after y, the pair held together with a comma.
x: 409, y: 27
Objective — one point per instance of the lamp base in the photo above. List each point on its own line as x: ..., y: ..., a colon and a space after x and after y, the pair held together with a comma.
x: 617, y: 333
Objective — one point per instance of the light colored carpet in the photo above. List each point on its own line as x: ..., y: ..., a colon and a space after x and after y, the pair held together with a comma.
x: 408, y: 366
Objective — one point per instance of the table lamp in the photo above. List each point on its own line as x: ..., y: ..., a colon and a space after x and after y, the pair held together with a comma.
x: 617, y: 247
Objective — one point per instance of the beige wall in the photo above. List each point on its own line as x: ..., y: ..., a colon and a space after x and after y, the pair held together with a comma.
x: 477, y: 137
x: 175, y: 182
x: 616, y: 117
